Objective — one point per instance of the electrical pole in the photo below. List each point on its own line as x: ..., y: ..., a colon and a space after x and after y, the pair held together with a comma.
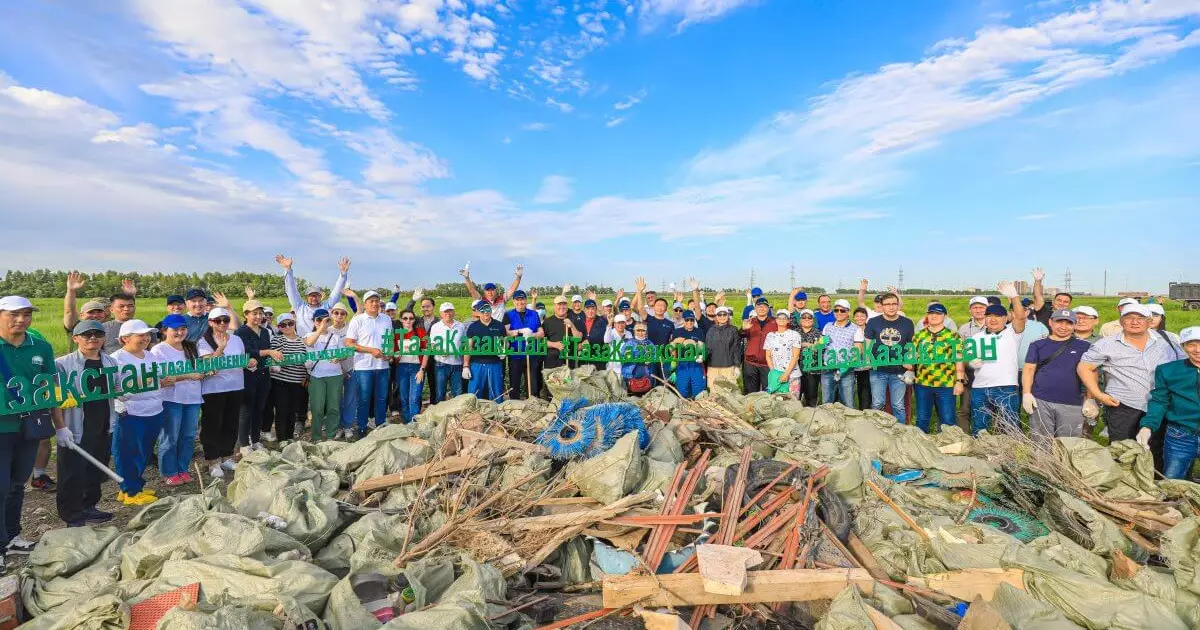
x: 900, y: 280
x: 792, y: 277
x: 1105, y: 283
x: 752, y: 276
x: 1067, y: 280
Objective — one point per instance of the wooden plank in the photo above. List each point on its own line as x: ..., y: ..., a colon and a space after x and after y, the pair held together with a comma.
x: 867, y: 559
x: 723, y: 567
x: 687, y: 589
x: 898, y: 510
x: 447, y: 466
x: 970, y: 583
x: 880, y: 620
x: 501, y: 441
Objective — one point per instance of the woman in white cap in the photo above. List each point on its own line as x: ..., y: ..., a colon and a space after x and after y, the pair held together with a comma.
x: 182, y: 396
x: 222, y: 392
x: 288, y: 381
x: 326, y: 377
x: 139, y: 414
x: 618, y: 333
x: 782, y: 350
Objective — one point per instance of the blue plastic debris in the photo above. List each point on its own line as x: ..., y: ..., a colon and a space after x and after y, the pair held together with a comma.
x: 579, y: 430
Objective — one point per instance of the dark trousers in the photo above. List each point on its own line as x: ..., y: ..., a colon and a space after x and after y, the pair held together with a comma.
x: 219, y: 423
x: 808, y: 388
x: 516, y: 376
x: 862, y: 383
x: 16, y: 464
x: 753, y: 377
x: 289, y: 404
x: 79, y: 481
x: 1123, y: 422
x: 254, y: 402
x: 268, y: 412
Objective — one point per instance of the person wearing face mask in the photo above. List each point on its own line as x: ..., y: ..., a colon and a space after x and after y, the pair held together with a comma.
x: 222, y: 392
x: 1175, y: 402
x: 371, y: 370
x: 139, y: 416
x: 91, y: 424
x: 182, y: 398
x: 257, y: 343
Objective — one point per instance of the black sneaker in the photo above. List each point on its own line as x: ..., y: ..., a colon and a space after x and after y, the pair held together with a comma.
x: 19, y: 546
x: 42, y: 482
x: 75, y: 523
x: 95, y: 517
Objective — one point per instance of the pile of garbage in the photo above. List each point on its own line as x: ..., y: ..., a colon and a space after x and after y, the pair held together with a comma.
x: 728, y: 509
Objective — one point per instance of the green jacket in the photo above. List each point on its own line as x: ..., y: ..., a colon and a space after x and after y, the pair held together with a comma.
x: 1176, y: 396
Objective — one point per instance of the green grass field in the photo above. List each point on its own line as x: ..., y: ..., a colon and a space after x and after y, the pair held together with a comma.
x: 48, y: 320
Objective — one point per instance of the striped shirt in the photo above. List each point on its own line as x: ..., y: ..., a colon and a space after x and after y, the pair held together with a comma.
x: 1129, y: 372
x: 289, y: 373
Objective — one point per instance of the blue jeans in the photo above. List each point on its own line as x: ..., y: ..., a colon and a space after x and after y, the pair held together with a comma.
x: 408, y: 389
x: 927, y: 398
x: 177, y: 440
x: 886, y: 385
x: 689, y: 379
x: 16, y: 464
x: 133, y: 446
x: 1000, y: 402
x: 449, y: 381
x: 1179, y: 452
x: 843, y: 387
x: 372, y: 386
x: 487, y: 381
x: 349, y: 402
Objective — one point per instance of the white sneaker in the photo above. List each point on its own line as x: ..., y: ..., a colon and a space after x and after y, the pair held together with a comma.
x: 19, y: 546
x: 268, y: 436
x: 216, y: 472
x: 229, y: 464
x: 258, y: 446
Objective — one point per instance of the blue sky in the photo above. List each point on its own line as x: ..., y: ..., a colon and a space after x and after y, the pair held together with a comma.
x: 598, y: 140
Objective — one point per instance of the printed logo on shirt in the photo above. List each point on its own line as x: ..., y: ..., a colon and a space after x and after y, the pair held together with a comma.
x: 890, y: 337
x: 37, y: 360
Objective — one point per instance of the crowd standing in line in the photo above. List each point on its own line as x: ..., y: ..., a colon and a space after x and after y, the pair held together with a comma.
x: 1050, y: 363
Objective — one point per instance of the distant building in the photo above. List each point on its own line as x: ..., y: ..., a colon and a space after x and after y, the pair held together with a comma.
x: 1134, y: 294
x: 1023, y: 287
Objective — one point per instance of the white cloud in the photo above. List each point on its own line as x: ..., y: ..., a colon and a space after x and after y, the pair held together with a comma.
x: 141, y: 133
x: 630, y: 101
x: 1035, y: 217
x: 565, y: 108
x: 613, y: 122
x: 535, y: 126
x: 653, y: 12
x: 555, y: 189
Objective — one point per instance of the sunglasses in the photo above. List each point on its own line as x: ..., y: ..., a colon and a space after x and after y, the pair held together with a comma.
x: 219, y: 320
x: 287, y: 324
x: 806, y: 317
x: 92, y: 334
x: 841, y: 310
x: 406, y: 319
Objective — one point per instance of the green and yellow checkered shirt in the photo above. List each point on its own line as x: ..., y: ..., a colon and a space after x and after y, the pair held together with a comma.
x: 939, y: 374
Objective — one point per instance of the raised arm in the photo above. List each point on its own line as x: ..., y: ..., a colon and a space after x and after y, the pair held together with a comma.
x: 335, y: 294
x: 289, y: 281
x: 862, y: 293
x: 465, y: 272
x: 699, y: 310
x: 1009, y: 290
x: 1039, y: 295
x: 75, y: 282
x: 220, y: 300
x: 639, y: 286
x: 351, y: 300
x: 516, y: 283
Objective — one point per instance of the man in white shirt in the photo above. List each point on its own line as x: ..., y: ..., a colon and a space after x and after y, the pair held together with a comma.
x: 994, y: 393
x: 450, y: 335
x: 371, y: 374
x: 315, y: 298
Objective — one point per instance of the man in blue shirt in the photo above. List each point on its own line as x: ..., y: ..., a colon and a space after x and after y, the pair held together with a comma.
x: 689, y: 375
x: 523, y: 323
x: 483, y: 370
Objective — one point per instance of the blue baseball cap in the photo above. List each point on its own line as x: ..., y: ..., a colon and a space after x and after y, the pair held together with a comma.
x: 174, y: 299
x: 589, y: 302
x: 174, y: 321
x: 993, y: 300
x: 936, y: 308
x: 476, y: 304
x: 1026, y: 301
x: 996, y: 309
x: 625, y: 304
x: 519, y: 295
x: 540, y: 305
x: 800, y: 295
x: 762, y: 300
x: 689, y: 315
x: 755, y: 292
x: 320, y: 314
x: 196, y: 293
x: 491, y: 286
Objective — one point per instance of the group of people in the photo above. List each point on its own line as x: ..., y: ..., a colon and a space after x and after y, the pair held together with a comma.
x: 1049, y: 361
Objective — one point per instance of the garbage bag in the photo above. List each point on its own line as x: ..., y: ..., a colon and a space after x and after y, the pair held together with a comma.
x: 354, y: 455
x: 1120, y: 471
x: 1180, y: 547
x: 1022, y: 611
x: 565, y: 383
x: 369, y: 544
x: 225, y: 577
x: 250, y: 614
x: 312, y: 517
x: 612, y: 474
x: 846, y: 612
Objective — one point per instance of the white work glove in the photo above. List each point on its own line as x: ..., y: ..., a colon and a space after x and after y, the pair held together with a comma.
x: 418, y: 294
x: 976, y: 364
x: 526, y: 332
x: 466, y: 372
x: 699, y: 359
x: 837, y: 375
x: 1008, y: 289
x: 1143, y: 437
x: 908, y: 377
x: 1091, y: 410
x: 65, y: 438
x: 1028, y: 403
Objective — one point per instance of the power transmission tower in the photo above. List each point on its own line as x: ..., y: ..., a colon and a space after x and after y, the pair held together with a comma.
x: 1067, y: 280
x: 1105, y: 291
x: 792, y: 277
x: 752, y: 276
x: 900, y: 280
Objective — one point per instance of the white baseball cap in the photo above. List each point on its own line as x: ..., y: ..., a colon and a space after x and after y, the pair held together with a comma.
x: 15, y: 303
x: 370, y: 294
x: 842, y: 304
x: 1136, y: 309
x: 268, y: 310
x: 1191, y: 333
x: 218, y: 312
x: 805, y: 311
x: 978, y: 299
x: 677, y: 305
x: 1126, y: 302
x: 446, y: 306
x: 285, y: 317
x: 340, y: 307
x: 576, y: 298
x: 620, y: 318
x: 134, y: 327
x: 390, y: 306
x: 1157, y: 309
x: 606, y: 303
x: 1086, y: 310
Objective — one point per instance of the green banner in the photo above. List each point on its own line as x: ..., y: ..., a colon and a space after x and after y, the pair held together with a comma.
x: 878, y: 355
x: 579, y: 350
x: 449, y: 344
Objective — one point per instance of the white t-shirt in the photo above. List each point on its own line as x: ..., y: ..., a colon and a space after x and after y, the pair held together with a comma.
x: 332, y: 340
x: 144, y: 404
x: 780, y: 345
x: 610, y: 335
x: 368, y: 331
x: 224, y: 380
x: 183, y: 392
x: 1002, y: 371
x: 455, y: 333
